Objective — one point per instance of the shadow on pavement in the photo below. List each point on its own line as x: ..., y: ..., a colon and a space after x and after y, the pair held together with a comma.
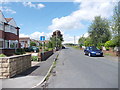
x: 27, y: 72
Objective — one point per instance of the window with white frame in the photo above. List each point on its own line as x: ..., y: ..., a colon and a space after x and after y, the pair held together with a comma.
x: 1, y: 44
x: 7, y: 43
x: 11, y: 44
x: 11, y: 29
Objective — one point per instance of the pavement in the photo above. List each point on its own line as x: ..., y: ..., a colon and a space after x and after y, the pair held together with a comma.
x: 31, y: 77
x: 76, y: 70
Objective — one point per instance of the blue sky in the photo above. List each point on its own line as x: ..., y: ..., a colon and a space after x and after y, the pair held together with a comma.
x: 42, y: 18
x: 33, y: 19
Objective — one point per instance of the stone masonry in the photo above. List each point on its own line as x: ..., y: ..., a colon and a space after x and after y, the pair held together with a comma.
x: 13, y: 65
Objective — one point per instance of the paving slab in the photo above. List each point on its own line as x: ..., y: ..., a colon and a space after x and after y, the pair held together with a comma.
x: 22, y: 82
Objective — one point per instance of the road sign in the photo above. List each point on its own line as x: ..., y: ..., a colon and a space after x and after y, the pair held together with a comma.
x: 42, y: 38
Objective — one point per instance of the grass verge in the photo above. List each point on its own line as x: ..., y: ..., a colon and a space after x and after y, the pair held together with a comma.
x: 53, y: 66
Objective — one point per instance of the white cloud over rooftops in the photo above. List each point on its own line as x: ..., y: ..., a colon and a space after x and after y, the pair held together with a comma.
x: 86, y: 12
x: 31, y: 5
x: 7, y: 9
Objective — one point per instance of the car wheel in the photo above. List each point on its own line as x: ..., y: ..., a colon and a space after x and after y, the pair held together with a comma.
x: 84, y: 53
x: 89, y: 55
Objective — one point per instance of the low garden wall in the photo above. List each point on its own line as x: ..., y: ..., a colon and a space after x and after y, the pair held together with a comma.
x: 13, y: 65
x: 112, y: 53
x: 45, y: 55
x: 9, y: 52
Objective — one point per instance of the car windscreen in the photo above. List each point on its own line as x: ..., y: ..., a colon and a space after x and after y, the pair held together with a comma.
x: 93, y: 48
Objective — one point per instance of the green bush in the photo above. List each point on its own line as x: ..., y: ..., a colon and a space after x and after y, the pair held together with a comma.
x: 107, y: 48
x: 32, y: 43
x: 49, y: 49
x: 46, y: 49
x: 81, y: 45
x: 20, y: 51
x: 99, y: 47
x: 75, y: 46
x: 110, y: 44
x: 2, y: 55
x: 34, y: 58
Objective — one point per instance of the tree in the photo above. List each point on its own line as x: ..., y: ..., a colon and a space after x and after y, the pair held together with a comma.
x: 99, y: 30
x: 116, y: 25
x: 53, y: 41
x: 88, y: 42
x: 56, y: 39
x: 81, y: 41
x: 49, y: 44
x: 32, y: 43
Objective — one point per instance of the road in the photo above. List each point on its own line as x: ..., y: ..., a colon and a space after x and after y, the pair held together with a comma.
x: 75, y: 70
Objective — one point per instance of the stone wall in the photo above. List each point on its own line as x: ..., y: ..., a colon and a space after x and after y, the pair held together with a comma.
x: 11, y: 66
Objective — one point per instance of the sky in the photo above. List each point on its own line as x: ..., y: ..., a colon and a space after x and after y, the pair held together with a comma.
x: 36, y: 19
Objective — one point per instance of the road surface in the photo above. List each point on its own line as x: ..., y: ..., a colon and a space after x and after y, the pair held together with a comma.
x: 75, y: 70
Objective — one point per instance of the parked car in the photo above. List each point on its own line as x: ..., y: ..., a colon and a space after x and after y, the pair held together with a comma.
x: 33, y: 49
x: 92, y: 51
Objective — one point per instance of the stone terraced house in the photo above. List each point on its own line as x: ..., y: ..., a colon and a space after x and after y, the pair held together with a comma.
x: 9, y: 35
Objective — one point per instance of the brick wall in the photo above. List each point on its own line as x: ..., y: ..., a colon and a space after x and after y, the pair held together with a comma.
x: 46, y: 55
x: 1, y: 51
x: 11, y: 36
x: 1, y: 34
x: 11, y: 66
x: 8, y: 52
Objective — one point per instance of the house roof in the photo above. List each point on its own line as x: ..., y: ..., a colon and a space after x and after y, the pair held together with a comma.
x: 8, y: 19
x: 24, y: 38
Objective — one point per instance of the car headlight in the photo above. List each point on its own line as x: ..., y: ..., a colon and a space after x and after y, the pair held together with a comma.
x: 93, y: 52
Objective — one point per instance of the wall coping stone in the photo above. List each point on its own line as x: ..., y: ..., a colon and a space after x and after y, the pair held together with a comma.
x: 15, y: 56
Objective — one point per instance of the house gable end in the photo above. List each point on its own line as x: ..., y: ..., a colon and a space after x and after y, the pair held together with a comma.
x: 12, y: 22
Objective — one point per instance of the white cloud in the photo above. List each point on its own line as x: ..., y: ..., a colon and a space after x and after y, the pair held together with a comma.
x: 36, y: 35
x: 20, y: 24
x: 85, y: 35
x: 31, y: 5
x: 70, y: 39
x: 40, y: 5
x: 23, y: 35
x: 86, y: 12
x: 65, y: 23
x: 7, y: 9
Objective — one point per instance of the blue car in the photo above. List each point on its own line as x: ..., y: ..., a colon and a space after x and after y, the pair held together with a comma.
x: 93, y: 51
